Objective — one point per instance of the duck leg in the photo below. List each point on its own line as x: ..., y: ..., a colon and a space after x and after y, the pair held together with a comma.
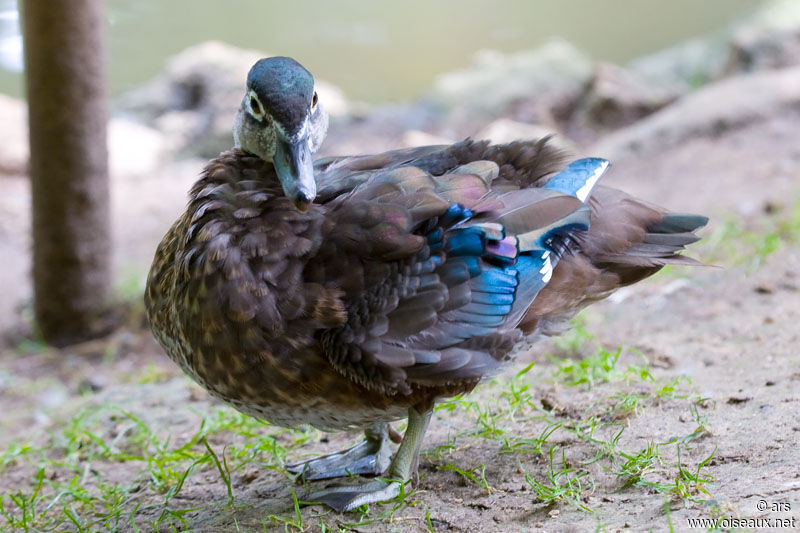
x: 403, y: 467
x: 369, y: 457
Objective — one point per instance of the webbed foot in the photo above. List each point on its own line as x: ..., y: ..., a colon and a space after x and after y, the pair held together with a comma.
x: 368, y: 458
x: 402, y: 469
x: 348, y: 497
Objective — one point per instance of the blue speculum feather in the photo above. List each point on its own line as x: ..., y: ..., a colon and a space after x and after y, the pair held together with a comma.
x: 496, y: 280
x: 455, y: 213
x: 435, y: 236
x: 532, y: 275
x: 468, y: 242
x: 492, y: 298
x: 472, y: 263
x: 487, y: 308
x: 499, y: 273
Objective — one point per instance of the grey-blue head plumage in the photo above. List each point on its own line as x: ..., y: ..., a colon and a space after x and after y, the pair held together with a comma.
x: 280, y: 120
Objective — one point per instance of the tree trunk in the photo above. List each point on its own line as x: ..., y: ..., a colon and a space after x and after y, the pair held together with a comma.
x: 66, y: 82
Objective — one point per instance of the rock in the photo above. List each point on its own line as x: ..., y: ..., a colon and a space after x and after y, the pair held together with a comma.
x: 752, y: 51
x: 13, y: 136
x: 191, y: 79
x: 683, y: 67
x: 495, y: 82
x: 710, y: 111
x: 776, y: 16
x: 617, y: 97
x: 194, y: 101
x: 189, y: 101
x: 769, y: 39
x: 384, y: 127
x: 766, y: 39
x: 134, y: 149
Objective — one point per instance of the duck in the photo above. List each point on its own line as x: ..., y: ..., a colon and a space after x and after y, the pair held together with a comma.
x: 351, y: 292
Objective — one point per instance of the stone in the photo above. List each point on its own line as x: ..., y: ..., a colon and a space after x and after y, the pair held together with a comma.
x: 383, y: 127
x: 683, y: 67
x: 617, y: 97
x: 134, y: 149
x: 496, y: 82
x: 14, y: 152
x: 766, y: 38
x: 751, y: 51
x: 710, y: 111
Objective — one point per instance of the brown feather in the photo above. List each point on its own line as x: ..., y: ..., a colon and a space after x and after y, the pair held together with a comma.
x: 333, y: 316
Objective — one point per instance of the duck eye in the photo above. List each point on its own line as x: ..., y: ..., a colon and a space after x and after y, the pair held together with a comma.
x: 255, y: 107
x: 314, y: 100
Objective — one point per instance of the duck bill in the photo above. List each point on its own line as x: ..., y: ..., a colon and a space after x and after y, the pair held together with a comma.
x: 296, y: 171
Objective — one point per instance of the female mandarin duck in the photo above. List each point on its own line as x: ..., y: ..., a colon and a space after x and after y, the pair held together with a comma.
x: 356, y: 291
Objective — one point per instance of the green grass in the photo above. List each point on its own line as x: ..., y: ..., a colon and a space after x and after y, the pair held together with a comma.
x: 738, y: 242
x: 562, y: 484
x: 598, y: 367
x: 73, y: 465
x: 70, y: 485
x: 294, y: 522
x: 476, y: 475
x: 71, y: 481
x: 627, y: 387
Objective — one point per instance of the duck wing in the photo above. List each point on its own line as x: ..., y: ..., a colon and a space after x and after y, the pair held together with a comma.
x: 521, y: 164
x: 437, y: 271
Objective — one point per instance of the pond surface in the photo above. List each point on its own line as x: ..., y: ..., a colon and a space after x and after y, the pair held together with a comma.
x: 376, y: 51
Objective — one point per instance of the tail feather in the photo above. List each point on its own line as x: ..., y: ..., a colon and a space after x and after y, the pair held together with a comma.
x: 627, y: 241
x: 663, y: 242
x: 674, y: 240
x: 678, y: 223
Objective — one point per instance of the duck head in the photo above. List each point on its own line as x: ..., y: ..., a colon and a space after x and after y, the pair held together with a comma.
x: 281, y: 120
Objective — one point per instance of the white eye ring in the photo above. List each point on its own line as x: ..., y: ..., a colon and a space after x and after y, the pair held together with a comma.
x: 254, y: 106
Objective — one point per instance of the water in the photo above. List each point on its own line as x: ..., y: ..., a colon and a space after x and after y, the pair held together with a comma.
x: 376, y: 51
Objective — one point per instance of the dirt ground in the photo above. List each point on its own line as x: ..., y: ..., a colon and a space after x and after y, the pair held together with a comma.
x: 698, y: 418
